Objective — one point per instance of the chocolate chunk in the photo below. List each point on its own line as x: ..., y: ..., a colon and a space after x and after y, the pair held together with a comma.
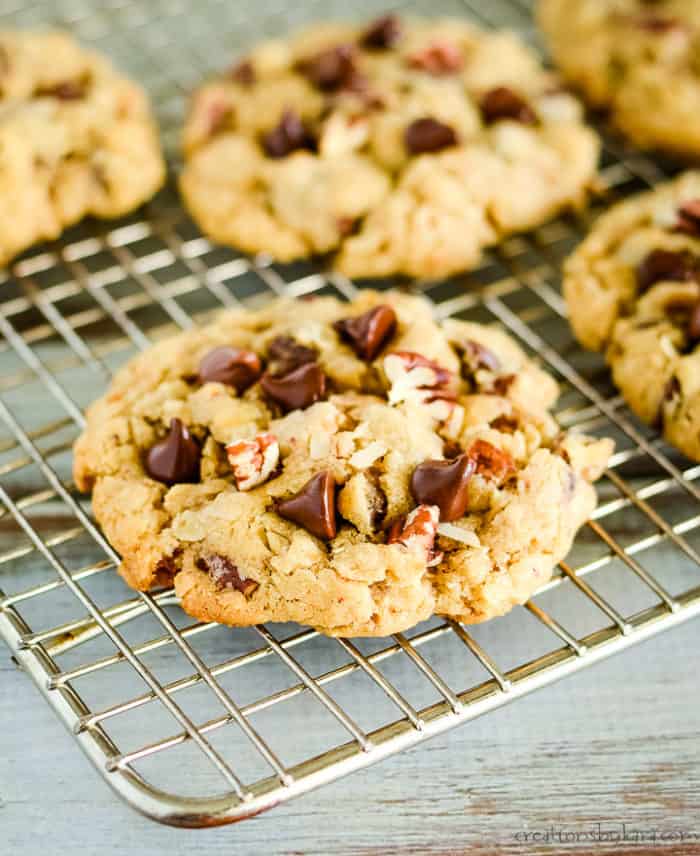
x: 165, y: 570
x: 313, y: 507
x: 232, y: 366
x: 661, y: 265
x: 331, y: 69
x: 445, y: 484
x: 689, y: 218
x: 693, y: 328
x: 290, y: 135
x: 69, y: 90
x: 225, y: 574
x: 503, y: 103
x: 175, y: 459
x: 477, y: 356
x: 490, y: 461
x: 297, y: 389
x: 428, y: 135
x: 368, y: 332
x: 383, y: 33
x: 243, y: 73
x: 284, y: 354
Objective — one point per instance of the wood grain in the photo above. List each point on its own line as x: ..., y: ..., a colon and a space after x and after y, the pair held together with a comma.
x: 617, y: 743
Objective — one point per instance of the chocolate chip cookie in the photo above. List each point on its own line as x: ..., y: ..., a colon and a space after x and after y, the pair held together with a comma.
x: 639, y: 58
x: 402, y: 146
x: 354, y: 467
x: 76, y: 139
x: 633, y: 289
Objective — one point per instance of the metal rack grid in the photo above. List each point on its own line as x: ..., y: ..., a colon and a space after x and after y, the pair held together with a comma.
x: 144, y: 689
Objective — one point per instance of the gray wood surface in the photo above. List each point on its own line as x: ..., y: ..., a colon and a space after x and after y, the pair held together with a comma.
x: 619, y: 742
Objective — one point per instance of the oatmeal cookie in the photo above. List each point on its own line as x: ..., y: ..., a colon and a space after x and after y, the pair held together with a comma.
x: 404, y: 146
x: 76, y: 139
x: 633, y: 289
x: 638, y: 58
x: 354, y: 467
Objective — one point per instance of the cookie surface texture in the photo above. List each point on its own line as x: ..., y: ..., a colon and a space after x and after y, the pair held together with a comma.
x: 355, y: 467
x: 401, y: 147
x: 76, y: 139
x: 636, y: 58
x: 633, y: 290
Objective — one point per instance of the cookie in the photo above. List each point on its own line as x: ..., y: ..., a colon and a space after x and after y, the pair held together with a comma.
x: 354, y: 467
x: 404, y: 146
x: 633, y: 289
x: 637, y: 58
x: 76, y: 139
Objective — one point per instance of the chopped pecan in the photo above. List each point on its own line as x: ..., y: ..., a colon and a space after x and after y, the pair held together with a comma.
x: 491, y: 462
x: 416, y: 379
x: 476, y: 356
x: 442, y: 57
x: 253, y: 461
x: 417, y: 532
x: 501, y: 385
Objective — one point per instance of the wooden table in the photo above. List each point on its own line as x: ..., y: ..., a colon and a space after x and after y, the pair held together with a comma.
x: 619, y: 742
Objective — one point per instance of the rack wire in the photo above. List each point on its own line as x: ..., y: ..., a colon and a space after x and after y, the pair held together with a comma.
x: 259, y: 715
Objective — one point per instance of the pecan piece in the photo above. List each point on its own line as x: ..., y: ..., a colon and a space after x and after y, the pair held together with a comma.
x: 491, y: 462
x: 440, y: 58
x: 253, y: 461
x: 417, y: 532
x: 415, y: 379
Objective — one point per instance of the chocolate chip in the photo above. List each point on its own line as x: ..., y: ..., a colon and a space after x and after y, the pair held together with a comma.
x: 175, y: 459
x: 243, y: 73
x: 290, y: 135
x: 313, y: 507
x: 445, y: 484
x: 225, y: 574
x: 297, y: 389
x: 332, y: 69
x: 383, y: 33
x: 693, y: 328
x: 428, y: 135
x: 477, y: 356
x: 165, y: 569
x: 490, y: 461
x: 661, y: 265
x: 503, y: 103
x: 284, y: 354
x: 69, y: 90
x: 368, y: 332
x: 231, y: 366
x: 689, y: 218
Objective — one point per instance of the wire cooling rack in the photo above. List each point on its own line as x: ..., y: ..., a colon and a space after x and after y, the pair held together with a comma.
x: 258, y: 715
